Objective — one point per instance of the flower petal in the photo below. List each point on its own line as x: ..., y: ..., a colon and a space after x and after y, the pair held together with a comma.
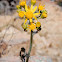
x: 34, y: 9
x: 30, y: 20
x: 31, y: 7
x: 39, y: 11
x: 25, y: 21
x: 26, y: 8
x: 36, y: 14
x: 34, y: 17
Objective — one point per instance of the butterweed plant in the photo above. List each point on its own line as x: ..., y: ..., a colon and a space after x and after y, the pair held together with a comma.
x: 30, y: 14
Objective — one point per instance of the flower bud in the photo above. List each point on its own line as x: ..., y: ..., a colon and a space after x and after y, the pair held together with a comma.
x: 44, y: 15
x: 44, y: 11
x: 22, y: 3
x: 38, y: 24
x: 41, y: 7
x: 18, y: 10
x: 24, y: 26
x: 33, y: 2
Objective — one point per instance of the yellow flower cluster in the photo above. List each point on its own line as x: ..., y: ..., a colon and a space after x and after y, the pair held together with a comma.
x: 21, y: 4
x: 42, y: 11
x: 32, y: 26
x: 29, y: 14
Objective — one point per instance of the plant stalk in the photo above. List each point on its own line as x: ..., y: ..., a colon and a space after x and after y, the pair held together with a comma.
x: 31, y: 39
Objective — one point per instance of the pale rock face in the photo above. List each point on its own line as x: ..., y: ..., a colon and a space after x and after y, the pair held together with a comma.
x: 48, y: 42
x: 31, y: 59
x: 49, y: 39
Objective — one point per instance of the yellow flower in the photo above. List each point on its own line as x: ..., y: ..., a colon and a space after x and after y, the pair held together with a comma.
x: 44, y: 14
x: 41, y: 7
x: 38, y: 24
x: 32, y: 26
x: 29, y: 14
x: 33, y: 2
x: 22, y: 2
x: 21, y: 14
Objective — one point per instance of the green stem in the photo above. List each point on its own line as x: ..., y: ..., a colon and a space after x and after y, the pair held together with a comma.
x: 31, y: 39
x: 0, y: 55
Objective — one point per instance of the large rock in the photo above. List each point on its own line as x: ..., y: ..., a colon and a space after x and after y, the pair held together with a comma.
x: 47, y: 42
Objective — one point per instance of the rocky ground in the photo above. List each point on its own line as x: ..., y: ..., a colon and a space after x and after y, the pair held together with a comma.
x: 48, y: 42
